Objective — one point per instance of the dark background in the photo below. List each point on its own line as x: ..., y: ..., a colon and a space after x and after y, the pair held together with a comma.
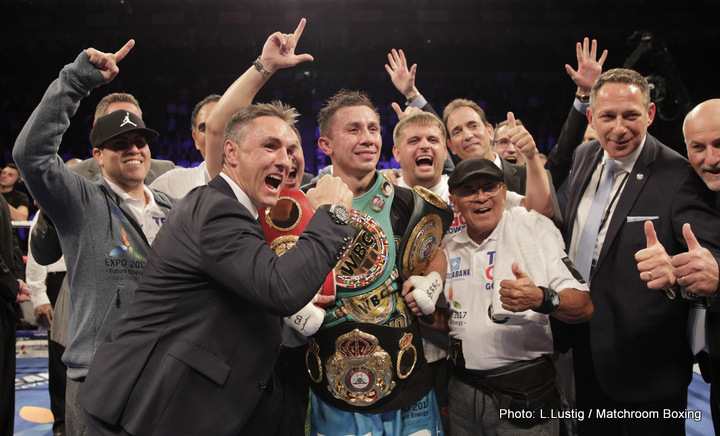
x: 505, y: 54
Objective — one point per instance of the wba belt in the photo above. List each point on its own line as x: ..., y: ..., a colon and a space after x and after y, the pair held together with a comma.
x: 368, y: 368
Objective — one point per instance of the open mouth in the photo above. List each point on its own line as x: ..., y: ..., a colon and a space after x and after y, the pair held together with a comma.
x: 291, y: 176
x: 511, y: 159
x: 481, y: 210
x: 424, y: 161
x: 273, y: 181
x: 133, y: 162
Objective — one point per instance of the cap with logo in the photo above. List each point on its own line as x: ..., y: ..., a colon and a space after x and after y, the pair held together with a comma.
x: 116, y: 123
x: 469, y: 169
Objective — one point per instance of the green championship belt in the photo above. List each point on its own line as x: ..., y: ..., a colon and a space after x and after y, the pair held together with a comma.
x: 430, y: 219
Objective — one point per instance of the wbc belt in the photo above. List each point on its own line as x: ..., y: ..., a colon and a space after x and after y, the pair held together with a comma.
x: 430, y: 220
x: 283, y: 224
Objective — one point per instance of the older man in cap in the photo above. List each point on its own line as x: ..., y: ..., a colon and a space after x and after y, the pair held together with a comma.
x: 503, y: 272
x: 105, y: 228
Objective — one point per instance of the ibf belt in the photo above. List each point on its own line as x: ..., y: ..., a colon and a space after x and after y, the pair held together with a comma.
x: 430, y: 220
x: 368, y: 368
x: 283, y: 224
x: 381, y: 305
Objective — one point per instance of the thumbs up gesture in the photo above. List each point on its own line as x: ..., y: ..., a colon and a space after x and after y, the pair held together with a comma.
x: 521, y: 138
x: 654, y: 263
x: 696, y: 270
x: 520, y: 294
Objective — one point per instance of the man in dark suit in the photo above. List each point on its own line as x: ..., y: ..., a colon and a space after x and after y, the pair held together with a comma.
x: 696, y: 272
x: 196, y: 349
x: 633, y: 355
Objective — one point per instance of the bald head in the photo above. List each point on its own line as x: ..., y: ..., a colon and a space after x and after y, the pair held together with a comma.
x: 702, y: 137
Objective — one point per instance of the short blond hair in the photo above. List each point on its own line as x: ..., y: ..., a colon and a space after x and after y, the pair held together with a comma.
x: 418, y: 119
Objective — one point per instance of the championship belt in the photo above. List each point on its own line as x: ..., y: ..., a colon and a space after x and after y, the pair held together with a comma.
x: 368, y: 368
x: 430, y: 219
x: 283, y: 224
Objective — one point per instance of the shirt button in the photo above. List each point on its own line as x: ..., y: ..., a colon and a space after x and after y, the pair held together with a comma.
x: 262, y: 385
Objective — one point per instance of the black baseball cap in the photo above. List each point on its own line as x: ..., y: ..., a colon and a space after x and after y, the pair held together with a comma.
x: 116, y: 123
x: 468, y: 169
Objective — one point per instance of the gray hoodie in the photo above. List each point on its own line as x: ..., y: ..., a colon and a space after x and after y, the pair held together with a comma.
x: 104, y: 246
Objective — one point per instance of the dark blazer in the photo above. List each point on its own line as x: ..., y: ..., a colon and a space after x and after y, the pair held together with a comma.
x: 637, y: 338
x: 90, y: 169
x: 560, y: 158
x: 197, y: 346
x: 515, y: 178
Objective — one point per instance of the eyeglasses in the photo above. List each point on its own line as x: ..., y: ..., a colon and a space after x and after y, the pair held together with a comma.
x: 489, y: 190
x: 502, y: 143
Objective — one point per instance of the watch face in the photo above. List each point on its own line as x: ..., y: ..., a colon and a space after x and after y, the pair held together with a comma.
x: 555, y: 300
x: 341, y: 213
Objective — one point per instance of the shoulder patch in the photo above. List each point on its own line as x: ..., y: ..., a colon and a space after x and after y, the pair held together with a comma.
x: 573, y: 269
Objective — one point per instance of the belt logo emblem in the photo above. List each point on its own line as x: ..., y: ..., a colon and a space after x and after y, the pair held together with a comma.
x: 360, y: 371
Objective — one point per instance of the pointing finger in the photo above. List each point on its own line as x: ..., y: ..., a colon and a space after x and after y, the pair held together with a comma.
x: 120, y: 54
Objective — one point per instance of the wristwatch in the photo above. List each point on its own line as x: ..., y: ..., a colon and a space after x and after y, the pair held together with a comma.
x: 550, y: 302
x: 337, y: 212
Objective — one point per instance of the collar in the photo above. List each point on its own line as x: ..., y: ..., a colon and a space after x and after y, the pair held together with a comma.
x: 627, y: 162
x: 126, y: 198
x: 242, y: 197
x: 463, y: 237
x: 497, y: 160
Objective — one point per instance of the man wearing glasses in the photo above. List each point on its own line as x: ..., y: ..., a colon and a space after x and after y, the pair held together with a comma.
x: 503, y: 270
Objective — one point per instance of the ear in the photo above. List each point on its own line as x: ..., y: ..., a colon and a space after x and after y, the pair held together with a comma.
x: 450, y: 147
x: 651, y: 113
x: 396, y: 153
x: 452, y: 199
x: 324, y: 145
x: 589, y: 114
x: 194, y: 136
x: 490, y: 131
x: 97, y: 154
x: 230, y: 149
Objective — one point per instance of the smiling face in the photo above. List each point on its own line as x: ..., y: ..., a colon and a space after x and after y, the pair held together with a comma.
x: 481, y: 201
x: 469, y: 136
x: 125, y: 160
x: 620, y: 118
x: 421, y: 154
x: 353, y: 142
x: 261, y: 163
x: 702, y: 137
x: 505, y: 148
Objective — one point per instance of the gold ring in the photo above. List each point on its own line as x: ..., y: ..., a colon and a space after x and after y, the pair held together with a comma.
x: 650, y: 277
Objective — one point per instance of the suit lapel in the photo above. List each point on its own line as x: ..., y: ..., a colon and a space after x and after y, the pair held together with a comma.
x: 584, y: 171
x: 511, y: 178
x: 636, y: 181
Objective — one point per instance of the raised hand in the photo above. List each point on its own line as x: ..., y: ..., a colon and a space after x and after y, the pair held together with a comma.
x: 588, y: 68
x: 107, y: 62
x: 403, y: 113
x: 654, y: 263
x: 279, y: 50
x: 402, y: 77
x: 520, y: 294
x: 696, y: 270
x: 521, y: 138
